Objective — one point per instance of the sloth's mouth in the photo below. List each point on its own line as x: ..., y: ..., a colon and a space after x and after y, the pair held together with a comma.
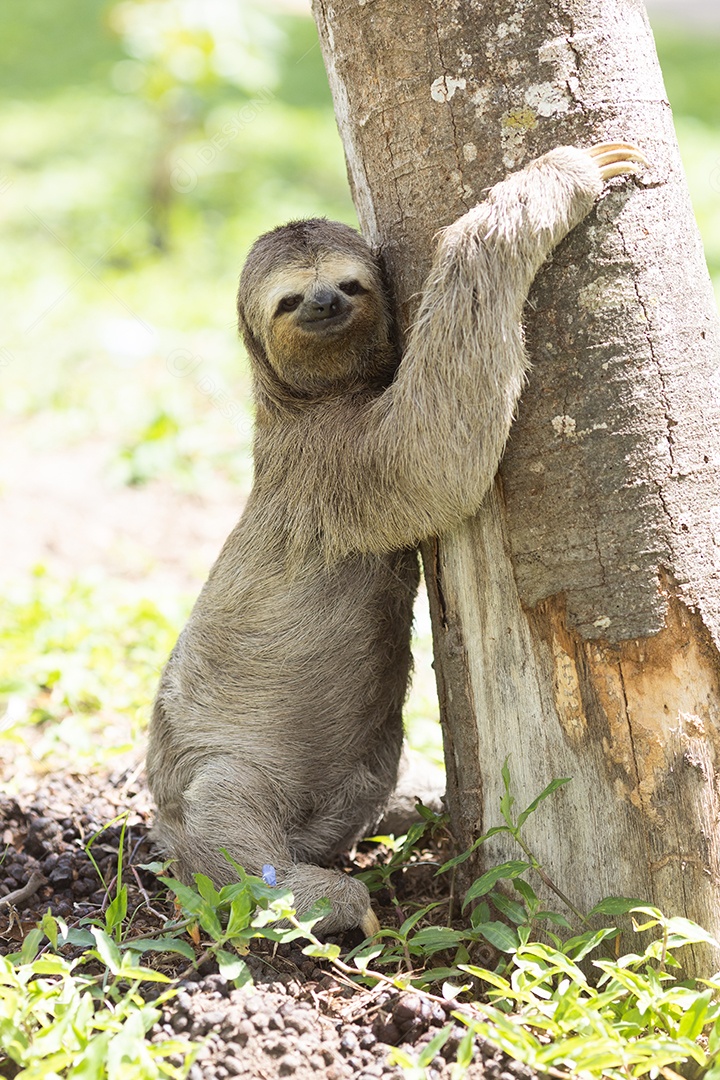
x: 330, y: 324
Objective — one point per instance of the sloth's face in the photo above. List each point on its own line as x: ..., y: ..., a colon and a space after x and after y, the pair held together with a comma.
x: 318, y: 319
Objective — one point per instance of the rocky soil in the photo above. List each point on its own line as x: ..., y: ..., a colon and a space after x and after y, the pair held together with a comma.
x: 297, y: 1020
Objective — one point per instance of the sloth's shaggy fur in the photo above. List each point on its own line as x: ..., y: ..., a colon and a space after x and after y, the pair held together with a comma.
x: 277, y: 728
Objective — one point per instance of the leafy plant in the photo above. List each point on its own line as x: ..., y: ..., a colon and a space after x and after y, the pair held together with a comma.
x: 538, y: 1005
x: 636, y: 1019
x: 57, y: 1018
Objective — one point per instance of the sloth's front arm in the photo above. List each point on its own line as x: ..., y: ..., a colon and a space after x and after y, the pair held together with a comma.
x: 420, y: 458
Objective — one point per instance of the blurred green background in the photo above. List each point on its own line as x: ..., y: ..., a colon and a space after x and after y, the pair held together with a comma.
x: 143, y: 146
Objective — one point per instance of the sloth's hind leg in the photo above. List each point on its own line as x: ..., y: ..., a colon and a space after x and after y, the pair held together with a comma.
x: 229, y: 807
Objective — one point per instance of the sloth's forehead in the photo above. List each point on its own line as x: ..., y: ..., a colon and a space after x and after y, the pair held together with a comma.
x: 328, y: 269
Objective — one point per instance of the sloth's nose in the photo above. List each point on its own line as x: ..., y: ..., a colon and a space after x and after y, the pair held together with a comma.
x: 323, y: 305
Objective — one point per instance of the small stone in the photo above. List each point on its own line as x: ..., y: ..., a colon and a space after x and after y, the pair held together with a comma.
x: 367, y: 1040
x: 387, y: 1032
x: 298, y: 1023
x: 245, y: 1031
x: 233, y: 1065
x: 62, y: 874
x: 348, y: 1042
x: 411, y: 1010
x: 219, y: 984
x: 289, y: 1064
x: 214, y: 1018
x: 519, y: 1068
x: 276, y: 1047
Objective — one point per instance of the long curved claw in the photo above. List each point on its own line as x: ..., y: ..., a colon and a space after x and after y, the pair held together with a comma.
x: 369, y: 924
x: 617, y: 158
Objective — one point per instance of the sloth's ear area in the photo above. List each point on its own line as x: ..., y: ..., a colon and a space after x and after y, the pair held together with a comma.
x: 252, y: 343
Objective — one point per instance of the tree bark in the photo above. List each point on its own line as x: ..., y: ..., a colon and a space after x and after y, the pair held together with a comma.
x: 577, y: 617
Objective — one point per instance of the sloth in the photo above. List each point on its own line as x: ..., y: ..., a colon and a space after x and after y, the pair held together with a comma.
x: 277, y: 727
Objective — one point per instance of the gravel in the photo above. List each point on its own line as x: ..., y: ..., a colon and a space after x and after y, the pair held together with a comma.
x: 296, y: 1021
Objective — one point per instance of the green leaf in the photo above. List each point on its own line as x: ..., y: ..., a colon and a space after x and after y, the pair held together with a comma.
x: 323, y: 950
x: 507, y: 800
x: 396, y: 1056
x: 233, y: 967
x: 107, y: 950
x: 92, y: 1061
x: 436, y: 1044
x: 53, y: 965
x: 116, y: 909
x: 49, y: 926
x: 160, y: 945
x: 696, y: 1017
x: 577, y: 948
x: 616, y: 905
x: 685, y: 932
x: 553, y: 917
x: 241, y: 911
x: 195, y: 905
x: 489, y: 977
x: 511, y: 909
x: 31, y: 944
x: 434, y: 975
x: 130, y: 970
x: 415, y: 918
x: 432, y: 939
x: 484, y: 884
x: 473, y: 848
x: 318, y: 911
x: 365, y: 955
x: 465, y: 1050
x: 552, y: 786
x: 501, y: 936
x: 480, y: 914
x: 207, y: 890
x: 526, y: 891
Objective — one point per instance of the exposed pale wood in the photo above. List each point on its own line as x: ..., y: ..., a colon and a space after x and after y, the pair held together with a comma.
x: 577, y: 617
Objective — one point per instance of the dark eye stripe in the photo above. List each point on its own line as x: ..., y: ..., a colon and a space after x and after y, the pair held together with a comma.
x: 351, y: 288
x: 288, y: 303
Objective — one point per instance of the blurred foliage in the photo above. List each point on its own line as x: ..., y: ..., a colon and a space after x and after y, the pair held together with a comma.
x: 79, y: 662
x: 691, y: 71
x: 143, y: 146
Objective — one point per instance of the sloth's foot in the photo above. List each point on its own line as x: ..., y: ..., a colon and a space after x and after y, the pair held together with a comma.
x: 616, y: 158
x: 349, y: 898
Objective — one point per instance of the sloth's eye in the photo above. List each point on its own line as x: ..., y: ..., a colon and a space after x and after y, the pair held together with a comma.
x: 289, y: 303
x: 351, y: 288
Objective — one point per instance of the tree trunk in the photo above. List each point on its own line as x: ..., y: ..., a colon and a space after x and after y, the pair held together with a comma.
x: 577, y: 616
